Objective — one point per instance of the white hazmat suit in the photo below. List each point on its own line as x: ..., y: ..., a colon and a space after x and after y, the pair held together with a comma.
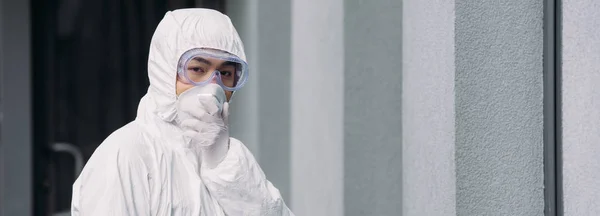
x: 147, y: 168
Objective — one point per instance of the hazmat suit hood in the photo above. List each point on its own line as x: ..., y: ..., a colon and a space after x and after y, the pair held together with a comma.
x: 178, y: 32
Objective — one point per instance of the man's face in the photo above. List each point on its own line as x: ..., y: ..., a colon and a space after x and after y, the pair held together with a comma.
x: 201, y: 68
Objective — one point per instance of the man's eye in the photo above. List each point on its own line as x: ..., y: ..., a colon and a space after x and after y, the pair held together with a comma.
x: 197, y: 69
x: 226, y: 74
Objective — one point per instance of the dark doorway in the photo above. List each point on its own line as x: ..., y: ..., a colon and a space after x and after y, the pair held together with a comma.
x: 89, y: 73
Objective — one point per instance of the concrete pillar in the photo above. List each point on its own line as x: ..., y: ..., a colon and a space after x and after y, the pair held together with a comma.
x: 372, y: 114
x: 274, y: 42
x: 317, y: 107
x: 428, y: 115
x: 16, y: 194
x: 581, y: 107
x: 499, y: 107
x: 262, y: 108
x: 314, y: 165
x: 473, y: 100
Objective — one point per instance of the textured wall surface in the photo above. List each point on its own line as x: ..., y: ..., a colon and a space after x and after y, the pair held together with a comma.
x: 428, y: 108
x: 499, y: 112
x: 16, y: 192
x: 317, y: 90
x: 372, y: 102
x: 581, y: 107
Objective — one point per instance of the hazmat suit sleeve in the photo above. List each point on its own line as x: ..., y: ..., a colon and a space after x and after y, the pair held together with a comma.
x: 240, y: 187
x: 114, y: 182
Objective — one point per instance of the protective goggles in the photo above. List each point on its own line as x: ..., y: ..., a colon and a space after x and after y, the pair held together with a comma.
x: 202, y: 66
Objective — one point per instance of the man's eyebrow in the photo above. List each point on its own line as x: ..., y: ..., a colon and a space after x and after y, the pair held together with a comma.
x: 200, y: 59
x: 229, y: 63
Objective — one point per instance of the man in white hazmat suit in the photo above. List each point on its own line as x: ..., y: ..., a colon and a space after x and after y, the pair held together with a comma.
x: 176, y: 157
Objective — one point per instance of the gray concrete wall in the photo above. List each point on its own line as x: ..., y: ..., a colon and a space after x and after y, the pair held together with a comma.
x: 274, y: 91
x: 317, y: 107
x: 499, y: 107
x: 428, y: 108
x: 449, y: 124
x: 372, y: 101
x: 581, y: 106
x: 16, y: 192
x: 263, y: 113
x: 473, y: 108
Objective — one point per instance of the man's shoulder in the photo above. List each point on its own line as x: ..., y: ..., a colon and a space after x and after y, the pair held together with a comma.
x: 122, y: 148
x: 127, y: 141
x: 130, y: 131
